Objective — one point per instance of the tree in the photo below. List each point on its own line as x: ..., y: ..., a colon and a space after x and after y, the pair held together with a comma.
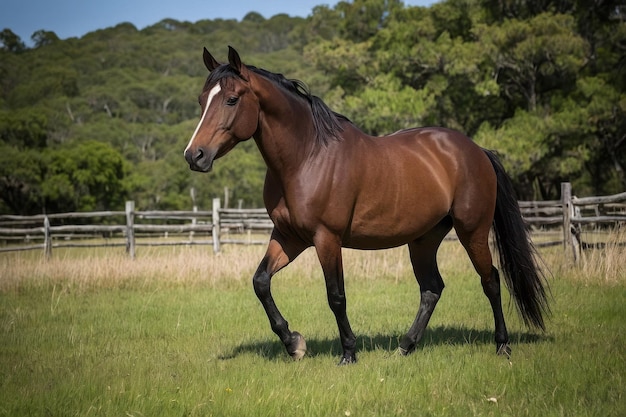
x: 86, y: 176
x: 24, y: 129
x: 533, y: 58
x: 43, y: 38
x: 253, y: 17
x: 577, y: 142
x: 361, y: 19
x: 20, y: 178
x: 324, y: 22
x: 10, y: 42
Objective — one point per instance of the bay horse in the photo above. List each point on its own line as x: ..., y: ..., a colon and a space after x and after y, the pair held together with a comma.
x: 329, y: 185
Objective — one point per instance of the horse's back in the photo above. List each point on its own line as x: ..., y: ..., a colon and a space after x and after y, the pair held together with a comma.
x: 461, y: 158
x: 407, y: 182
x: 433, y: 156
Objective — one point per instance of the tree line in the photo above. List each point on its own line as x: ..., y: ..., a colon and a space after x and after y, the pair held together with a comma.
x: 87, y: 123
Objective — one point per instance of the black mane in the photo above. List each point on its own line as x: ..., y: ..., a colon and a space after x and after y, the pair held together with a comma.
x: 327, y: 123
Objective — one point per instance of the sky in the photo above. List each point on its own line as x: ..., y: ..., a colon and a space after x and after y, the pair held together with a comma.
x: 75, y: 18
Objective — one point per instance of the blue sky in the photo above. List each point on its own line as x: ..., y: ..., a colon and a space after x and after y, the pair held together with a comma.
x: 75, y: 18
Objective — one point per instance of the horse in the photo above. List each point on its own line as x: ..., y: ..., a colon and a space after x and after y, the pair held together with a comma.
x: 330, y: 186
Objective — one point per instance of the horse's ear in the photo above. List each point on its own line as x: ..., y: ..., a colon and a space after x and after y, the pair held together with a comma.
x: 233, y: 58
x: 210, y: 62
x: 235, y: 61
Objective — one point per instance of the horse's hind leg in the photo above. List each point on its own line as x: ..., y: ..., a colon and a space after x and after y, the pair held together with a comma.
x: 476, y: 244
x: 423, y: 252
x: 275, y: 259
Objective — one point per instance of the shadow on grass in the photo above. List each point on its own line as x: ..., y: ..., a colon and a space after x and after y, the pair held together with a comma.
x: 437, y: 336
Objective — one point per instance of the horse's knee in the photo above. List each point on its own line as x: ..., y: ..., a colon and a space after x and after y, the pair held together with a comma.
x: 261, y: 280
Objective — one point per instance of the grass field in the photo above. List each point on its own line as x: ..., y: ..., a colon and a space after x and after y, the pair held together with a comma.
x: 179, y: 332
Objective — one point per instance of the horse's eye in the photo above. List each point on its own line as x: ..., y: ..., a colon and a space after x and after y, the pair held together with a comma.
x: 232, y: 100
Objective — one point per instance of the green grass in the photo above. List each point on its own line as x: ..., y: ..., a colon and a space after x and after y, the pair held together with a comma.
x: 180, y: 333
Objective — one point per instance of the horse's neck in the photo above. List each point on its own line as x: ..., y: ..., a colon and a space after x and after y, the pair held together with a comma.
x: 286, y: 133
x: 282, y: 151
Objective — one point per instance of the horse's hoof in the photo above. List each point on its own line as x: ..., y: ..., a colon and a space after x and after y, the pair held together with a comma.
x: 503, y: 349
x: 406, y: 348
x: 404, y: 352
x: 347, y: 360
x: 300, y: 346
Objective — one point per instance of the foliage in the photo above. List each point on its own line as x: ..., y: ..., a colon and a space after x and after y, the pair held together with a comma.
x: 88, y: 176
x: 543, y: 83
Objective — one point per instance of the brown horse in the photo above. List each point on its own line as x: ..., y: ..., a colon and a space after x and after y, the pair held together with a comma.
x: 329, y: 185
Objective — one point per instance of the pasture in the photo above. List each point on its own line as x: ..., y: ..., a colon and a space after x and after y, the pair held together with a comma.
x: 179, y: 332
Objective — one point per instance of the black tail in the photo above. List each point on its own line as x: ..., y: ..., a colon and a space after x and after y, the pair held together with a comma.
x: 518, y: 256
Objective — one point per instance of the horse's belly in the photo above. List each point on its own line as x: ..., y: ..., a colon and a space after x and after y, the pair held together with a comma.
x: 372, y: 243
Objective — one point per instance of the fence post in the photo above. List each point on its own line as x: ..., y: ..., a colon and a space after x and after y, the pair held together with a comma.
x: 566, y: 200
x: 47, y: 238
x: 216, y: 225
x: 130, y: 228
x: 194, y: 222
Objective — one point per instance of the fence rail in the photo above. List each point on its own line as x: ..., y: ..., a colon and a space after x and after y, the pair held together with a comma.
x: 131, y: 228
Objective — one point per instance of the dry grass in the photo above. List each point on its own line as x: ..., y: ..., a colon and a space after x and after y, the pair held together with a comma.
x: 84, y: 269
x: 104, y: 268
x: 600, y: 266
x: 609, y: 262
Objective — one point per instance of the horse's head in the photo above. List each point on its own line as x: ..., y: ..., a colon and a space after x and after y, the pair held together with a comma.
x: 230, y: 112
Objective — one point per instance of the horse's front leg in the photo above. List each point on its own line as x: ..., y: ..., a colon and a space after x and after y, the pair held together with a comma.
x: 328, y: 249
x: 276, y: 258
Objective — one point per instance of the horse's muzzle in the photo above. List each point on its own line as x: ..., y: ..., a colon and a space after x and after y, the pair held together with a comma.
x: 199, y: 159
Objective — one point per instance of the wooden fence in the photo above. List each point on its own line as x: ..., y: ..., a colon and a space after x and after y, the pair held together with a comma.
x: 572, y: 215
x: 131, y: 228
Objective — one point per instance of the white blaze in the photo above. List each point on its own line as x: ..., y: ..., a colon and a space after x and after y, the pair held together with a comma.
x: 212, y: 94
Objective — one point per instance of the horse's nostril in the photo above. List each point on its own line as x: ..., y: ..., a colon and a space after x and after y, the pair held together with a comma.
x: 194, y: 156
x: 199, y: 159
